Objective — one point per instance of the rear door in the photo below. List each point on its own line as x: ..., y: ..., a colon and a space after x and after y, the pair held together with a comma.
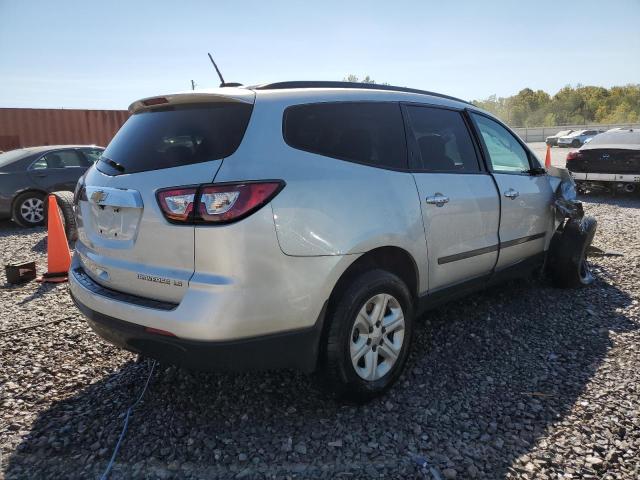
x: 125, y: 241
x: 459, y: 201
x: 58, y: 170
x: 525, y: 214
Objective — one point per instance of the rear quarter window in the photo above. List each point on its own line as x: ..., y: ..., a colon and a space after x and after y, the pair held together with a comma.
x: 174, y: 136
x: 371, y: 133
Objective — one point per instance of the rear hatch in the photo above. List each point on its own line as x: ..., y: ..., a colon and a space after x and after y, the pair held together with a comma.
x: 125, y: 241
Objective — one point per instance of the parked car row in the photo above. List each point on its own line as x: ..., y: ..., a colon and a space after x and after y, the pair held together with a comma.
x: 552, y: 140
x: 610, y: 161
x: 27, y: 175
x: 578, y: 138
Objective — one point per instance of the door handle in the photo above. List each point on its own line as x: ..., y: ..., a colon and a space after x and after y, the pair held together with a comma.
x: 438, y: 199
x: 511, y: 193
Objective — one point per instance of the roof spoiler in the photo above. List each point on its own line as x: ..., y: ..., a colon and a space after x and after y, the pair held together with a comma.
x: 218, y: 95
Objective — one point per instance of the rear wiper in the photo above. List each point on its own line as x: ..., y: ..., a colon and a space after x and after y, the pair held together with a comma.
x: 535, y: 171
x: 113, y: 164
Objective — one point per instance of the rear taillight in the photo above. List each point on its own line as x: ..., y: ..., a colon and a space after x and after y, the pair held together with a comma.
x: 217, y: 203
x: 573, y: 155
x: 177, y: 203
x: 231, y: 202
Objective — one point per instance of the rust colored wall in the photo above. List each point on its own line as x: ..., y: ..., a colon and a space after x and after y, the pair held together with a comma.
x: 28, y: 127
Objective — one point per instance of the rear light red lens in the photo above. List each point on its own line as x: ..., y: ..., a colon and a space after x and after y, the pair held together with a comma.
x: 573, y: 155
x: 177, y: 203
x: 218, y: 203
x: 231, y: 202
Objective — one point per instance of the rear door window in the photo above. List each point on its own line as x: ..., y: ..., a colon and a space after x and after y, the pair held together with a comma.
x: 440, y: 141
x: 363, y: 132
x: 175, y: 136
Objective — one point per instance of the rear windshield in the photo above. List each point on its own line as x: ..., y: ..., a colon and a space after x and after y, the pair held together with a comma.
x: 8, y: 158
x: 175, y: 136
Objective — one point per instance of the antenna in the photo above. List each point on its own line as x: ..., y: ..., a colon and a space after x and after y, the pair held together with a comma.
x: 222, y: 84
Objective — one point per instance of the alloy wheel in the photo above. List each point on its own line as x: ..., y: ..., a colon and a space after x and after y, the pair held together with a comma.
x: 32, y: 210
x: 377, y: 337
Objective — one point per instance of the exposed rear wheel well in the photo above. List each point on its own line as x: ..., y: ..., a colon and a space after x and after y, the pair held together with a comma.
x: 392, y: 259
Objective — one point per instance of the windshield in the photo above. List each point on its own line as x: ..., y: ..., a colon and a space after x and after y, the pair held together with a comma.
x: 175, y: 136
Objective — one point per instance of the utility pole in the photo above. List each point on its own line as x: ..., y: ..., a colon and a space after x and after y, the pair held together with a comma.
x: 193, y: 85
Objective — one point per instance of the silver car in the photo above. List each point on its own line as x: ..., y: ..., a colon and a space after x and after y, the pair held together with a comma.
x: 302, y: 225
x: 578, y: 138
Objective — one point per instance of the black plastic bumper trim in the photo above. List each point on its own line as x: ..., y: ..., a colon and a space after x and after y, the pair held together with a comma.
x: 295, y: 349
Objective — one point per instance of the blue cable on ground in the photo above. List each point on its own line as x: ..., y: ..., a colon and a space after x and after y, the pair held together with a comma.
x: 105, y: 475
x: 426, y: 466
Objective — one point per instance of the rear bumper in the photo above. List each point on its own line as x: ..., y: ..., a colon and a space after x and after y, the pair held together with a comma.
x: 296, y: 349
x: 606, y: 177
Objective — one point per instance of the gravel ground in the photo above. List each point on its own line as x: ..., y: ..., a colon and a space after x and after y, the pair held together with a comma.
x: 523, y: 381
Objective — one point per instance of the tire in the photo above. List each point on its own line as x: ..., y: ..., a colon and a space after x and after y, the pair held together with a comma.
x: 576, y: 143
x: 64, y: 200
x: 354, y: 380
x: 28, y: 209
x: 568, y: 264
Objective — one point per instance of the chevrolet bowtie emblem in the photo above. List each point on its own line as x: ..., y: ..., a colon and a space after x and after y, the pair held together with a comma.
x: 99, y: 196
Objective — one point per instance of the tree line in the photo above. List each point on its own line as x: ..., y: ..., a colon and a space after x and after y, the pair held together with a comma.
x: 579, y: 105
x: 570, y: 106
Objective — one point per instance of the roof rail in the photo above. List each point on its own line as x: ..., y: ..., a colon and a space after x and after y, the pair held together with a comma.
x: 333, y: 84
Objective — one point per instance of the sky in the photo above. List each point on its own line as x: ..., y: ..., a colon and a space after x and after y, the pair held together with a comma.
x: 106, y: 54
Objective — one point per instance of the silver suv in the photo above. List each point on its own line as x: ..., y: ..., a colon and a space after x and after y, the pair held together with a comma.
x: 302, y: 225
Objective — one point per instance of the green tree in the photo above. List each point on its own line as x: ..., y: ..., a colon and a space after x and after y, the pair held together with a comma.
x: 571, y: 105
x: 355, y: 79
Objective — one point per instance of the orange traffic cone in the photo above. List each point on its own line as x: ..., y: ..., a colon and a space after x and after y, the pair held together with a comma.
x: 58, y: 254
x: 547, y: 159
